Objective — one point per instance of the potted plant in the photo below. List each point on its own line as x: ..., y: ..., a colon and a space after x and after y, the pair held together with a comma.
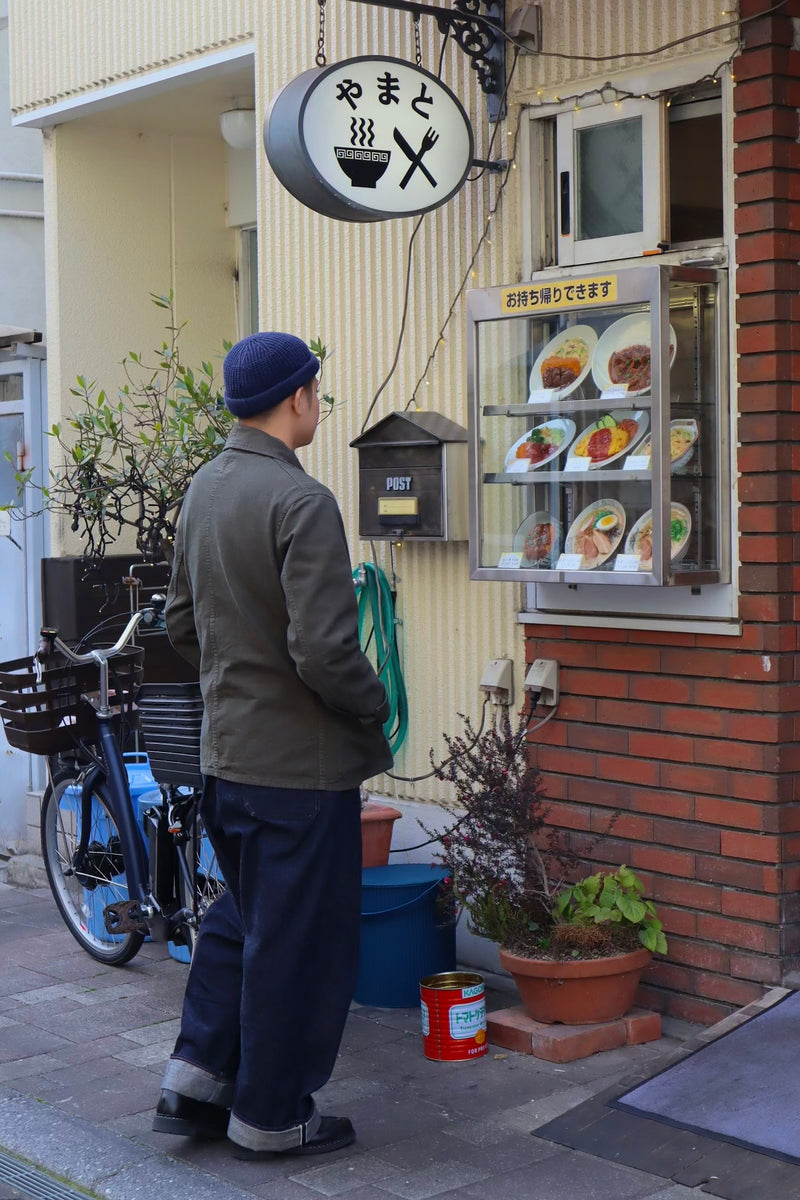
x: 377, y: 826
x: 575, y: 945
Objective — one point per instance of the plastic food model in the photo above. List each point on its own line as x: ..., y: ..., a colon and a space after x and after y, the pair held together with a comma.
x: 565, y: 365
x: 631, y: 366
x: 558, y: 372
x: 640, y: 540
x: 609, y: 438
x: 540, y: 444
x: 598, y: 536
x: 539, y: 542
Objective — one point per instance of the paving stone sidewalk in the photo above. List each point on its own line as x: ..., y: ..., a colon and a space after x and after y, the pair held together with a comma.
x: 82, y: 1048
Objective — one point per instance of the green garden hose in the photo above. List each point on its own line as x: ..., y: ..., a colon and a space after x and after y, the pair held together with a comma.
x: 377, y: 631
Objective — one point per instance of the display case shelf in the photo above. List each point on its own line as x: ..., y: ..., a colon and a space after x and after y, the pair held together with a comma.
x: 641, y: 368
x: 565, y: 477
x: 561, y: 406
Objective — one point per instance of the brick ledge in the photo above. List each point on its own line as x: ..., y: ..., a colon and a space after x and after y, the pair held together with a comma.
x: 513, y: 1029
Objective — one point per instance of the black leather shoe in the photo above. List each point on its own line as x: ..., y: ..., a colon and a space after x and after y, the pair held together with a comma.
x: 334, y: 1133
x: 190, y: 1118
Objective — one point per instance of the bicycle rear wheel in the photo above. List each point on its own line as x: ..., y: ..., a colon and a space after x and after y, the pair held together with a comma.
x: 200, y: 880
x: 83, y: 889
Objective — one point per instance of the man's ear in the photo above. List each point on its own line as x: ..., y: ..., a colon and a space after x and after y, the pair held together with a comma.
x: 296, y: 400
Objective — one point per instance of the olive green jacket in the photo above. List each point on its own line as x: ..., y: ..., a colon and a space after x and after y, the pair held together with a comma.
x: 262, y: 600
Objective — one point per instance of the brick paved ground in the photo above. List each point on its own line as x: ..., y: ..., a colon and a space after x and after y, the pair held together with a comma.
x: 82, y: 1048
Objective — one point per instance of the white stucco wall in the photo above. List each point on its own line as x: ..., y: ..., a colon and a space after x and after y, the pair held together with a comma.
x: 130, y: 214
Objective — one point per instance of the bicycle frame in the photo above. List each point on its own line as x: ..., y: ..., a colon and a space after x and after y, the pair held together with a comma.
x: 136, y: 864
x: 141, y: 912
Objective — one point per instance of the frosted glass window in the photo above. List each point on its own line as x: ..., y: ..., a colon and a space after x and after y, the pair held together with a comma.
x: 608, y: 161
x: 10, y: 389
x: 11, y: 440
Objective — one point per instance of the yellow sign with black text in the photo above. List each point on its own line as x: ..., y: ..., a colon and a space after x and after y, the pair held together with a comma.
x: 559, y: 293
x: 396, y: 506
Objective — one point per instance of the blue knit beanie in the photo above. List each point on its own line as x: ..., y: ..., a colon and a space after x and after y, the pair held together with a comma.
x: 265, y: 368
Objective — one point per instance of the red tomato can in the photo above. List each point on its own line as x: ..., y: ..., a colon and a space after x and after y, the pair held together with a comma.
x: 453, y: 1016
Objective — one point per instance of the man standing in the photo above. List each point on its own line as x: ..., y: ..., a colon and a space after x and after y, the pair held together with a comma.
x: 262, y: 601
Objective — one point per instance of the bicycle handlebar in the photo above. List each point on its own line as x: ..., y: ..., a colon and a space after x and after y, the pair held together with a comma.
x: 49, y: 640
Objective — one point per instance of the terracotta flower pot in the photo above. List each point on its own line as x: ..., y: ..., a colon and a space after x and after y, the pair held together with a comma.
x: 377, y: 824
x: 577, y: 991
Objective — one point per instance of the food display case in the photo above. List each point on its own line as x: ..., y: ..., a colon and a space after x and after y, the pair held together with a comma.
x: 598, y: 428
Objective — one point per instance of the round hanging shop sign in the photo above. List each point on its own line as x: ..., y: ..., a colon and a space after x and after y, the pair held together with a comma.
x: 368, y: 139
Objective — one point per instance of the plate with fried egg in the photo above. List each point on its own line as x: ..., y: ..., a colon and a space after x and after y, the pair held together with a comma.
x: 596, y: 533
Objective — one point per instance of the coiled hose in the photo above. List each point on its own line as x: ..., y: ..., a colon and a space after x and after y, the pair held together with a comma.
x: 377, y: 631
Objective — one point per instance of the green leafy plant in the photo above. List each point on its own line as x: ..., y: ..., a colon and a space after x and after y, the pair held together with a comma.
x: 611, y: 902
x: 126, y: 460
x: 512, y: 872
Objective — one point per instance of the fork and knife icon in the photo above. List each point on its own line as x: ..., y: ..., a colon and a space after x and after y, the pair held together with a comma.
x: 415, y: 157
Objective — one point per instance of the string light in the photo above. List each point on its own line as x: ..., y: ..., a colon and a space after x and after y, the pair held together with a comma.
x: 470, y: 273
x: 736, y: 23
x: 608, y: 90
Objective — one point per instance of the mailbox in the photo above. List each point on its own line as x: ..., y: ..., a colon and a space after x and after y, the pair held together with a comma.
x: 412, y: 479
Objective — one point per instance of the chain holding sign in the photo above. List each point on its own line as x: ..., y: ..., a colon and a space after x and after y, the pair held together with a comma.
x: 369, y: 139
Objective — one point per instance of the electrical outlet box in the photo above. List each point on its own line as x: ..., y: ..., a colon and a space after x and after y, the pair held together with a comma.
x: 542, y: 678
x: 525, y: 25
x: 497, y: 680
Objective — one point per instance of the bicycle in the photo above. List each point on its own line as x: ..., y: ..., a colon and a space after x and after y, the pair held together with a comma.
x: 117, y: 875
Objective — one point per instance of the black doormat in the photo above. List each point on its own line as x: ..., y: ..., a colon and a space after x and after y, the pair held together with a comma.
x: 743, y: 1088
x: 710, y: 1158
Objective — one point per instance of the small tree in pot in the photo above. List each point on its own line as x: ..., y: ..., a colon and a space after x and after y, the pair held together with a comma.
x: 127, y: 460
x: 513, y: 875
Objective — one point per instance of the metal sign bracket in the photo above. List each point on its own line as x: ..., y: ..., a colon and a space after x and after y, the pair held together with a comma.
x: 480, y: 34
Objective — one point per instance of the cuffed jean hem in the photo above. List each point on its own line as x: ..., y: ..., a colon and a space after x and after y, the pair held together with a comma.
x: 188, y: 1079
x: 253, y: 1138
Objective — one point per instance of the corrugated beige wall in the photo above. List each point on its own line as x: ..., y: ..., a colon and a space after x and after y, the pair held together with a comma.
x: 613, y: 28
x: 348, y: 282
x: 345, y: 282
x: 65, y: 49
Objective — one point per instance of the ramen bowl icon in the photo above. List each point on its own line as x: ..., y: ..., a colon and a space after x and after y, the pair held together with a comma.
x: 362, y: 165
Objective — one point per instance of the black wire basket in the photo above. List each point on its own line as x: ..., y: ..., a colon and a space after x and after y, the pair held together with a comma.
x: 49, y: 715
x: 170, y: 721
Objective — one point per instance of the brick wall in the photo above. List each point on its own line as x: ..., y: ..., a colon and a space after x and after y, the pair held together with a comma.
x: 693, y: 740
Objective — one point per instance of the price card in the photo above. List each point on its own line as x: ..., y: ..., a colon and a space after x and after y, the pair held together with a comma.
x: 618, y: 392
x: 626, y: 562
x: 542, y: 395
x: 5, y: 524
x: 637, y: 462
x: 509, y: 561
x: 569, y: 562
x: 578, y: 464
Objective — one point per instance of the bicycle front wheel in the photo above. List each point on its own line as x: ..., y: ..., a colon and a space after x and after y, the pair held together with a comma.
x: 82, y: 889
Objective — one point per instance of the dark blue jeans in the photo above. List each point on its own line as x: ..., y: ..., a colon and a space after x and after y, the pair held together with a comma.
x: 276, y: 961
